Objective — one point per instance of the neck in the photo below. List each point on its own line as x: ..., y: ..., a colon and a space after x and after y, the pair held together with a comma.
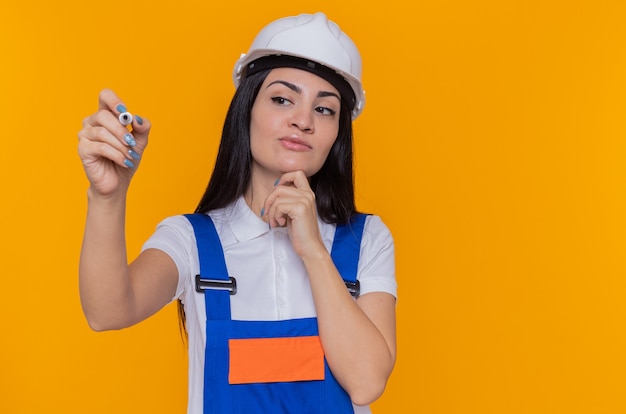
x: 257, y: 192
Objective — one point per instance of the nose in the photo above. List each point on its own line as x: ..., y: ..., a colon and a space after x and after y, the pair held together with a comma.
x: 302, y: 119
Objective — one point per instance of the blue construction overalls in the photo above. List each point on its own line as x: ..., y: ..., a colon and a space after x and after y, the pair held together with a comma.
x: 300, y: 381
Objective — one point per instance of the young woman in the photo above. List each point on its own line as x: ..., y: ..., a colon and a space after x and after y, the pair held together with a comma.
x: 289, y: 294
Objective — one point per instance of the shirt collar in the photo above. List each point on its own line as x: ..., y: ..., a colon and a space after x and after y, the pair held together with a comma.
x: 244, y: 224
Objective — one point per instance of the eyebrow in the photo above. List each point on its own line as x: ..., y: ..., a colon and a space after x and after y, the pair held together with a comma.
x: 297, y: 89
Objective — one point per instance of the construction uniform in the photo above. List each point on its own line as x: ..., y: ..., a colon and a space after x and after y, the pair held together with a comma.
x: 272, y: 286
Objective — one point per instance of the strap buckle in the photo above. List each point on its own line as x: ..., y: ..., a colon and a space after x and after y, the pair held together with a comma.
x: 354, y: 288
x: 203, y: 284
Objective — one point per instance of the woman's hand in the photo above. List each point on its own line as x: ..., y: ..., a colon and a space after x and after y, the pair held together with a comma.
x: 358, y: 336
x: 292, y: 204
x: 110, y: 151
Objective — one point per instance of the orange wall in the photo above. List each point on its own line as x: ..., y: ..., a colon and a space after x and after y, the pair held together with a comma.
x: 492, y: 144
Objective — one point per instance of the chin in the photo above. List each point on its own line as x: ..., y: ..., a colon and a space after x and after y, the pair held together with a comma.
x: 308, y: 171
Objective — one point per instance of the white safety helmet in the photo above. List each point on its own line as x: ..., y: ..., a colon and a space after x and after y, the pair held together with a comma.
x: 315, y: 39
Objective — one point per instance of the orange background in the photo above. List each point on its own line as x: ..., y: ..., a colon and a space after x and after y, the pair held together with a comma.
x: 492, y: 144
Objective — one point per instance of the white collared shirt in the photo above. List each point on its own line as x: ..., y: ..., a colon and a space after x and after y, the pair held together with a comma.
x: 272, y: 283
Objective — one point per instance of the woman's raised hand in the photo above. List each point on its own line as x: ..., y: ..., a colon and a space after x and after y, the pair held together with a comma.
x: 110, y: 151
x: 292, y: 205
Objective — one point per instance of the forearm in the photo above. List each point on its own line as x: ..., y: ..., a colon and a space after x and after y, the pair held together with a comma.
x: 359, y: 355
x: 105, y: 288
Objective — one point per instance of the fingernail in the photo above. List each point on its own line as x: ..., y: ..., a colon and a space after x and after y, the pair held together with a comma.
x: 276, y: 182
x: 139, y: 119
x: 134, y: 155
x: 128, y: 163
x: 120, y: 108
x: 262, y: 211
x: 129, y: 140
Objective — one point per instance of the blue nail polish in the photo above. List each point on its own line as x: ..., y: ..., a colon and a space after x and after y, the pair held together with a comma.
x: 120, y: 108
x: 139, y: 119
x: 129, y: 163
x: 262, y: 211
x: 134, y: 155
x: 276, y: 182
x: 129, y: 140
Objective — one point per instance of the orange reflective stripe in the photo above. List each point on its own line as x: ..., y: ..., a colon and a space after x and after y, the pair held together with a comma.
x: 262, y: 360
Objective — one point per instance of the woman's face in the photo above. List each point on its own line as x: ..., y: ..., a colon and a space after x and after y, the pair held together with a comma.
x: 294, y: 123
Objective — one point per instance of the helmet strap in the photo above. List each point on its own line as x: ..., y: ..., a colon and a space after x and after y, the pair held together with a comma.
x: 324, y: 72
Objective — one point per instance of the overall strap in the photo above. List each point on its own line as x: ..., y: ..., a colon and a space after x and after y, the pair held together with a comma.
x: 212, y: 267
x: 346, y: 250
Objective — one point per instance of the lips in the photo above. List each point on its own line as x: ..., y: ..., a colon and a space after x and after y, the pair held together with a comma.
x: 295, y: 144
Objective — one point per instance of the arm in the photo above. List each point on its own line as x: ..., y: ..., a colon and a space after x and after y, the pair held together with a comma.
x: 113, y: 294
x: 359, y: 337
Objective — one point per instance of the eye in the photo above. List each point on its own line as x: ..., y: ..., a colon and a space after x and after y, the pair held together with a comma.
x: 325, y: 111
x: 279, y: 100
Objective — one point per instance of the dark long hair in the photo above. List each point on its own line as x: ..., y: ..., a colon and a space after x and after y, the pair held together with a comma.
x: 333, y: 184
